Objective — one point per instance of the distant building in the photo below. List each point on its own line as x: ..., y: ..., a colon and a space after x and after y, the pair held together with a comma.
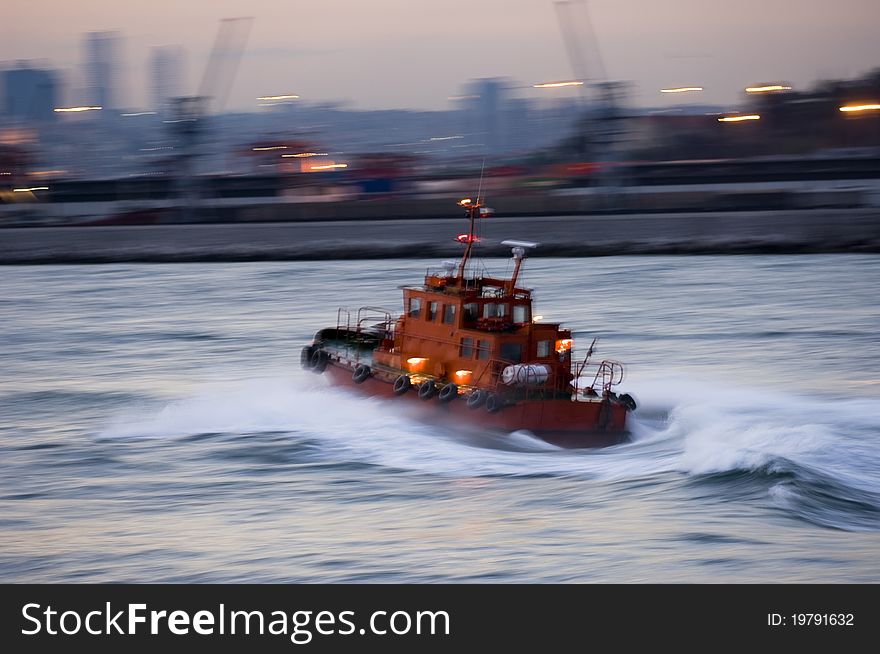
x: 484, y: 104
x: 29, y: 94
x: 166, y: 75
x: 102, y: 64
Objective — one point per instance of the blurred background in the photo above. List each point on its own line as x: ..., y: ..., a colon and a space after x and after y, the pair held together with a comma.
x: 154, y: 421
x: 138, y: 115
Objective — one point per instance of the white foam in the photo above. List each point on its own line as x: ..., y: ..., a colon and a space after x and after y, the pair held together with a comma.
x: 710, y: 428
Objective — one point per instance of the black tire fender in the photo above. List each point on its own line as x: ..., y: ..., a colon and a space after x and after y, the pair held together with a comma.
x: 448, y: 393
x: 494, y: 404
x: 320, y: 359
x: 627, y: 400
x: 427, y: 389
x: 361, y: 373
x: 402, y: 384
x: 305, y: 357
x: 476, y: 399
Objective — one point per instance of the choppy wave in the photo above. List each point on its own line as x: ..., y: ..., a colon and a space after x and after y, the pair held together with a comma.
x: 814, y: 458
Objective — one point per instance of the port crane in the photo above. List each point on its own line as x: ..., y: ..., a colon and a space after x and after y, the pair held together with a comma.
x: 600, y: 129
x: 189, y: 114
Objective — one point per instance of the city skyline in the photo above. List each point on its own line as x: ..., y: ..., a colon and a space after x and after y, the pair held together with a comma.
x: 397, y: 54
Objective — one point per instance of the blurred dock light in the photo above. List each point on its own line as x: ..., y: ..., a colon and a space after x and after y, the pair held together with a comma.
x: 30, y: 189
x: 330, y: 166
x: 303, y: 155
x: 556, y: 85
x: 275, y: 98
x: 67, y: 110
x: 140, y: 113
x: 739, y: 119
x: 853, y: 108
x: 769, y: 88
x: 269, y: 147
x: 682, y: 89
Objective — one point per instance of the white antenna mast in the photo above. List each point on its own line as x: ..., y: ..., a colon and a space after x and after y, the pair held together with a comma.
x: 480, y: 187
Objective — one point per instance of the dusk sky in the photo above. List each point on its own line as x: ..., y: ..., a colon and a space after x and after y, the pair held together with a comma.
x: 416, y: 53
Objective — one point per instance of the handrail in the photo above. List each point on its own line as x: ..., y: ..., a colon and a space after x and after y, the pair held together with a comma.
x: 364, y: 314
x: 494, y: 366
x: 610, y: 372
x: 339, y: 313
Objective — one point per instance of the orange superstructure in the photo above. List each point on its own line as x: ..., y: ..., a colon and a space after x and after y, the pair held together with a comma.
x: 469, y: 348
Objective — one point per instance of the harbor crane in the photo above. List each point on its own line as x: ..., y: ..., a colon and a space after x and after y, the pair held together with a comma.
x: 600, y: 129
x: 189, y: 114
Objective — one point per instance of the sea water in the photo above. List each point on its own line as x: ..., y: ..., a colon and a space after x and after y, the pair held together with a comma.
x: 155, y: 426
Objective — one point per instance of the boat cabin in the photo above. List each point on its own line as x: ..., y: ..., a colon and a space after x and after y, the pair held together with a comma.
x: 468, y: 329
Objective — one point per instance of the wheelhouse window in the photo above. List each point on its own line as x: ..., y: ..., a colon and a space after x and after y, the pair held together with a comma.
x: 471, y: 311
x: 449, y: 314
x: 544, y: 348
x: 511, y: 352
x: 494, y: 310
x: 521, y: 313
x: 483, y: 349
x: 466, y: 349
x: 432, y: 311
x: 415, y: 307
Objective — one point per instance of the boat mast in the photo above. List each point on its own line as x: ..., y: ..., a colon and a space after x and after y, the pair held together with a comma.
x: 519, y: 253
x: 472, y: 208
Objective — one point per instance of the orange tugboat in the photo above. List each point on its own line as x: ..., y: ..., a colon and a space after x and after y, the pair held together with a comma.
x: 467, y: 350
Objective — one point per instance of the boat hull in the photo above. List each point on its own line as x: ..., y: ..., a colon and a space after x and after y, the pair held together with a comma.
x: 562, y: 422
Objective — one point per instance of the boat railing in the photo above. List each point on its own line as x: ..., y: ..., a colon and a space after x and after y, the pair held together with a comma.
x: 370, y: 320
x: 605, y: 374
x: 493, y: 367
x: 373, y: 325
x: 343, y: 313
x: 378, y: 320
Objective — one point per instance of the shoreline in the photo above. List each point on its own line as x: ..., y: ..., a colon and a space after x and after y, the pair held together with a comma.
x: 752, y: 232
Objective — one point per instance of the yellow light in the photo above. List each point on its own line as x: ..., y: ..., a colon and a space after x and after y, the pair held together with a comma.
x: 278, y: 97
x: 556, y: 85
x: 416, y: 364
x: 767, y: 89
x: 537, y: 318
x: 272, y: 147
x: 463, y: 377
x: 32, y: 188
x: 465, y: 202
x: 739, y: 119
x: 62, y: 110
x: 682, y: 89
x: 329, y: 166
x: 860, y: 107
x: 300, y: 155
x: 563, y: 344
